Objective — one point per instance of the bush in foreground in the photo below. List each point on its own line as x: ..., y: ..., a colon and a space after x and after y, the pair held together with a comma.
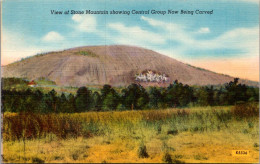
x: 245, y: 110
x: 142, y: 152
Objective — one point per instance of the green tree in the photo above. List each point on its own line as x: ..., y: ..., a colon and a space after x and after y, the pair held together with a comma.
x: 252, y: 94
x: 83, y: 99
x: 106, y: 90
x: 62, y: 103
x: 132, y: 94
x: 51, y: 100
x: 220, y: 97
x: 110, y: 102
x: 109, y: 97
x: 202, y: 96
x: 71, y: 104
x: 178, y: 94
x: 235, y: 92
x: 155, y: 97
x: 97, y: 102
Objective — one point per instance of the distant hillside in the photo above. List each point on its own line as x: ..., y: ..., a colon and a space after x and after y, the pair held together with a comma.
x: 116, y: 65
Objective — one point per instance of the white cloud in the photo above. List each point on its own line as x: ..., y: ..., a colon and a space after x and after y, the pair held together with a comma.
x: 135, y: 35
x: 167, y: 26
x: 85, y: 23
x: 204, y: 30
x: 245, y: 39
x: 53, y: 36
x: 172, y: 31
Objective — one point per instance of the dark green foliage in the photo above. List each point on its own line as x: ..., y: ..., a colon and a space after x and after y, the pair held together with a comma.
x: 109, y: 97
x: 205, y: 96
x: 66, y: 104
x: 230, y: 94
x: 235, y: 92
x: 121, y: 107
x: 52, y: 101
x: 132, y: 97
x: 252, y: 94
x: 71, y: 105
x: 13, y: 81
x: 106, y: 90
x: 21, y: 101
x: 155, y: 97
x: 83, y: 99
x: 135, y: 97
x: 110, y: 102
x: 96, y: 101
x: 178, y: 94
x: 220, y: 97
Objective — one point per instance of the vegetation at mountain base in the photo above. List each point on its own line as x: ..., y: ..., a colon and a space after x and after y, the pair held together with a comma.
x: 133, y: 97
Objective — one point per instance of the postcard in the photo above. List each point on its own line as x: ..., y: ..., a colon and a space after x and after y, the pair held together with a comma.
x: 137, y: 81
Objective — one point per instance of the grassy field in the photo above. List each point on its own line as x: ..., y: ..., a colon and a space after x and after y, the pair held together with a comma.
x: 198, y: 134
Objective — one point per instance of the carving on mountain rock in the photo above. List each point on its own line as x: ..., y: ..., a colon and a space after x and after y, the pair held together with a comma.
x: 151, y: 76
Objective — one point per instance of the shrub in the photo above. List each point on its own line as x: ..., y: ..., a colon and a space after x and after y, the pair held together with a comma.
x: 159, y: 129
x: 243, y: 110
x: 256, y: 145
x: 177, y: 161
x: 178, y: 156
x: 89, y: 129
x: 142, y: 152
x: 167, y: 158
x: 75, y: 155
x: 172, y: 132
x: 87, y: 53
x: 200, y: 157
x: 250, y: 124
x: 37, y: 160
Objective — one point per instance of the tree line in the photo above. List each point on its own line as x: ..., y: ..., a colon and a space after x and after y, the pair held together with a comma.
x: 133, y: 97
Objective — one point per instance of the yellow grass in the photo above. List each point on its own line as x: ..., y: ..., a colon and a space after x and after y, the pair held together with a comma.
x: 120, y: 142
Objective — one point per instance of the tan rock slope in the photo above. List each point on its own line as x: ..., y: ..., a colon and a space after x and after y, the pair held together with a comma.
x: 116, y: 65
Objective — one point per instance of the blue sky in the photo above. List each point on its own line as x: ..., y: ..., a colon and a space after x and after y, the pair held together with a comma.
x: 229, y: 35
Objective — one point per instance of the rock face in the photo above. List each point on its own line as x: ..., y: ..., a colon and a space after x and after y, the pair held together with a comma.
x: 116, y: 65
